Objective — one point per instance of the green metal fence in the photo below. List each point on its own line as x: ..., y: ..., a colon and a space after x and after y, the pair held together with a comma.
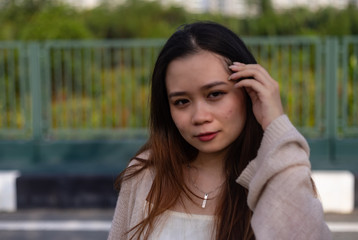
x: 82, y: 89
x: 296, y: 63
x: 88, y: 90
x: 97, y: 88
x: 15, y: 109
x: 348, y: 87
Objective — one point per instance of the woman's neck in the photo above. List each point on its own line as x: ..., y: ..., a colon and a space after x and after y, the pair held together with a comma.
x: 210, y: 164
x: 207, y: 171
x: 204, y: 176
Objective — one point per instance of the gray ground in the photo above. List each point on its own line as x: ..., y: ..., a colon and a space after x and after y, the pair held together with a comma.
x: 105, y: 215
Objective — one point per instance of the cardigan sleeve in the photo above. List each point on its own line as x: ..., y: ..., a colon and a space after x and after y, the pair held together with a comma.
x: 123, y: 212
x: 130, y: 207
x: 281, y: 192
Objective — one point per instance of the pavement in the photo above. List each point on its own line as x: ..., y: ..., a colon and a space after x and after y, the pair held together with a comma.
x: 343, y: 226
x: 94, y: 224
x: 56, y: 224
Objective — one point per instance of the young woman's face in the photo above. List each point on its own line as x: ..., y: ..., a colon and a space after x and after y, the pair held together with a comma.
x: 206, y: 108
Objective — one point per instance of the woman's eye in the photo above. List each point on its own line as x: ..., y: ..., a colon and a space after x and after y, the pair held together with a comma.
x: 215, y: 94
x: 180, y: 102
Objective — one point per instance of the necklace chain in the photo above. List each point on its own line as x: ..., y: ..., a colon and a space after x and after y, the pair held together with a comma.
x: 206, y: 194
x: 197, y: 188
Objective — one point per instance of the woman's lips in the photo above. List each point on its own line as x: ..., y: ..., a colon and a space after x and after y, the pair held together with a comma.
x: 204, y: 137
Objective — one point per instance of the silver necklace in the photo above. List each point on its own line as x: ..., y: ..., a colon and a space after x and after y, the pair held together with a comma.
x: 206, y: 194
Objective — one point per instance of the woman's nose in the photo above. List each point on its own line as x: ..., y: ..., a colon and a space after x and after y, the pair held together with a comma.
x: 201, y: 114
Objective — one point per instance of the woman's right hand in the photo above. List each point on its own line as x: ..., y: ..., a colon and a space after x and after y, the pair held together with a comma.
x: 262, y: 88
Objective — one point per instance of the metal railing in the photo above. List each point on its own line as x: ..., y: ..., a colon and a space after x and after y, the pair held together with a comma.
x: 15, y: 106
x: 99, y: 89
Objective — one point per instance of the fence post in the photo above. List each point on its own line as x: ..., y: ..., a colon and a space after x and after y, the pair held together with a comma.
x: 331, y: 98
x: 35, y: 89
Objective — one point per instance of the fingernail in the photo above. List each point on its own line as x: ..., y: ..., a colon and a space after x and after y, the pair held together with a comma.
x: 238, y: 63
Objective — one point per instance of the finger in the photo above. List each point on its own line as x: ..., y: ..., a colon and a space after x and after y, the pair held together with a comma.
x: 252, y: 93
x: 252, y: 85
x: 267, y: 82
x: 257, y: 70
x: 258, y: 67
x: 248, y: 73
x: 273, y: 91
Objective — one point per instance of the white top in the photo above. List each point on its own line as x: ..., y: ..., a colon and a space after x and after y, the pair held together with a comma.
x: 180, y: 226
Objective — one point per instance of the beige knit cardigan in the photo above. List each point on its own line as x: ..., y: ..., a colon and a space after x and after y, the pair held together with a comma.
x: 281, y: 194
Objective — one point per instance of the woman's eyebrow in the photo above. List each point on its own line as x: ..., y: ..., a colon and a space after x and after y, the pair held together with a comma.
x: 205, y: 87
x: 176, y: 94
x: 213, y: 84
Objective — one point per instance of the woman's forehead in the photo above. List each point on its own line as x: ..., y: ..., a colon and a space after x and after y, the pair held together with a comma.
x: 195, y: 71
x: 200, y: 56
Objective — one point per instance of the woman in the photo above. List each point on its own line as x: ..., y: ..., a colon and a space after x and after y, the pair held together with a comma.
x: 222, y: 160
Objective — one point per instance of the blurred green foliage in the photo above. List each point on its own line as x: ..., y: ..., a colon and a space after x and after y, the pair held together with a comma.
x: 51, y: 19
x: 57, y: 22
x: 115, y: 95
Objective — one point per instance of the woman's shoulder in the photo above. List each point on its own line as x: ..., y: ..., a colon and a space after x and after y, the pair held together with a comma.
x: 138, y: 171
x: 140, y: 159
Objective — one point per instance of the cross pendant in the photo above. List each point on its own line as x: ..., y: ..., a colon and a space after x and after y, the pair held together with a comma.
x: 204, y: 201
